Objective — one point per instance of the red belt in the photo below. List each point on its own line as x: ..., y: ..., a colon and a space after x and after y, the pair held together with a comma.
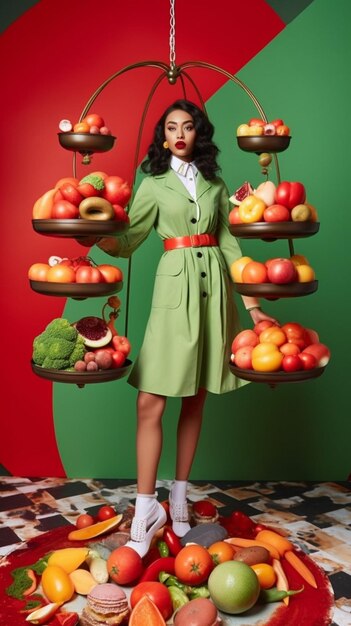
x: 189, y: 241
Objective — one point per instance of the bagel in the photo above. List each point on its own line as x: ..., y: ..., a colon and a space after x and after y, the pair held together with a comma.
x: 95, y: 208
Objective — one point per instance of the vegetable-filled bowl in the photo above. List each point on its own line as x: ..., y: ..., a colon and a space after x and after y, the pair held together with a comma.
x: 273, y: 291
x: 76, y: 290
x: 82, y: 378
x: 276, y: 377
x: 79, y: 227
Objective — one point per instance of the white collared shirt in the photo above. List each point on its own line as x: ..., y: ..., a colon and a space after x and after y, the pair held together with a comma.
x: 186, y: 173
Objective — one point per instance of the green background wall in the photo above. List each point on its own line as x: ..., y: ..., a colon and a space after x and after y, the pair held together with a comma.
x: 299, y: 431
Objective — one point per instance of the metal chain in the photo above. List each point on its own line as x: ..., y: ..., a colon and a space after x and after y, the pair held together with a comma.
x: 172, y: 54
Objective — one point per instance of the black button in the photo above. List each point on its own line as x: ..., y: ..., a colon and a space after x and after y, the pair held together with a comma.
x: 204, y: 294
x: 203, y: 274
x: 191, y: 200
x: 193, y: 220
x: 199, y: 254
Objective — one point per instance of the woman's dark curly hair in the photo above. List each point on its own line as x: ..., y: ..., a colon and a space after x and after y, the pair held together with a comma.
x: 205, y: 151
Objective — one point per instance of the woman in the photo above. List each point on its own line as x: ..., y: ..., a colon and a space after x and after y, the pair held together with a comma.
x: 193, y: 318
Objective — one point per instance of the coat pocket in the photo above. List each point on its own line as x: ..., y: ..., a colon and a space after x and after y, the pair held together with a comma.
x: 168, y: 282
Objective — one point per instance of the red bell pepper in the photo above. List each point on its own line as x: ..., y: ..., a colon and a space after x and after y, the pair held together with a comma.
x: 290, y: 194
x: 163, y: 564
x: 172, y: 541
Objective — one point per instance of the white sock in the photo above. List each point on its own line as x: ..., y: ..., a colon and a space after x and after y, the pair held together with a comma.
x: 178, y: 491
x: 145, y: 505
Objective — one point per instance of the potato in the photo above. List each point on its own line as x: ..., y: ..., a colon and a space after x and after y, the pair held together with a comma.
x: 199, y: 612
x: 252, y: 555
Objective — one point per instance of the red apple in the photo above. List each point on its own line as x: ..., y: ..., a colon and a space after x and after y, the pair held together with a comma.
x: 242, y: 357
x: 118, y: 358
x: 281, y: 271
x: 311, y: 336
x: 234, y: 216
x: 276, y: 213
x: 244, y: 338
x: 121, y: 344
x: 320, y: 351
x: 116, y: 190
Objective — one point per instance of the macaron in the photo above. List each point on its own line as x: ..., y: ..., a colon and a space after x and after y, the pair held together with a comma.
x: 106, y: 604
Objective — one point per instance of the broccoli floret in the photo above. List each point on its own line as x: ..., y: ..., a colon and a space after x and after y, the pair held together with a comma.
x: 59, y: 346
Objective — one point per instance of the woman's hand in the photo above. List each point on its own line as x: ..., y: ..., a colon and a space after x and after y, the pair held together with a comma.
x: 257, y: 315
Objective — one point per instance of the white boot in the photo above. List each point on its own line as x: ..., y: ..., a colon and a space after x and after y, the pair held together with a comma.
x: 178, y: 508
x: 149, y: 517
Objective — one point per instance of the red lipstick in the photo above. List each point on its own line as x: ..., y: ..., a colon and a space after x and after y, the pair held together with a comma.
x: 180, y: 145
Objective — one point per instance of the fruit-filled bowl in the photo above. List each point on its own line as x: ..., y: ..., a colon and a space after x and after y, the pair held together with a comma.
x: 271, y: 232
x: 86, y: 142
x: 273, y: 291
x: 263, y: 143
x: 272, y: 378
x: 80, y: 227
x: 76, y: 290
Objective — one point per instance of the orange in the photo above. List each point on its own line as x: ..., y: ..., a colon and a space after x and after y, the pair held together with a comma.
x: 299, y: 259
x: 265, y: 574
x: 81, y: 127
x: 61, y: 274
x: 305, y: 273
x: 221, y: 551
x: 237, y: 267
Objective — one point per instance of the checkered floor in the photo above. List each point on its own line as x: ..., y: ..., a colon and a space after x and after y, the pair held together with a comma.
x: 317, y: 516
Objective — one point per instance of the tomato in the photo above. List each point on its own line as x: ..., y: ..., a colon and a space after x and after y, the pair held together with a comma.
x: 276, y: 213
x: 266, y: 357
x: 87, y: 190
x: 234, y: 216
x: 251, y: 209
x: 292, y: 363
x: 118, y: 358
x: 254, y: 272
x: 290, y: 194
x: 64, y: 210
x: 70, y: 193
x: 244, y: 338
x: 69, y: 179
x: 273, y: 334
x: 89, y: 275
x: 204, y: 508
x: 262, y: 325
x: 320, y: 351
x: 117, y: 191
x: 193, y: 564
x: 283, y: 130
x: 38, y: 271
x: 121, y: 344
x: 84, y: 520
x: 106, y: 512
x: 81, y: 127
x: 57, y: 584
x: 295, y: 333
x: 277, y: 122
x: 120, y: 213
x: 124, y: 565
x: 92, y: 119
x: 311, y: 336
x: 256, y: 121
x: 265, y: 574
x: 111, y: 273
x: 157, y: 592
x: 61, y: 274
x: 221, y: 551
x: 309, y: 361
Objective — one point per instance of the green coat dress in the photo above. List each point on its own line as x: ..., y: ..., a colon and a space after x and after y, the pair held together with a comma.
x: 193, y: 317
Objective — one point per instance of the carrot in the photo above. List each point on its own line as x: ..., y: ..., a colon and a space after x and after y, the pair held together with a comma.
x: 277, y: 541
x: 300, y: 567
x: 251, y: 543
x: 282, y: 581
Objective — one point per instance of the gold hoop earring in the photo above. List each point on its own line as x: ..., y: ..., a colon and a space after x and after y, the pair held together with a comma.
x: 165, y: 145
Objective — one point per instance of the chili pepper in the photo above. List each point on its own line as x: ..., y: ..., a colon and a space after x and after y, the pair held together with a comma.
x: 164, y: 563
x: 275, y: 595
x: 172, y: 541
x: 163, y: 548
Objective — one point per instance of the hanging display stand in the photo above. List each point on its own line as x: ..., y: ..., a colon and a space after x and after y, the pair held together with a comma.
x: 86, y: 144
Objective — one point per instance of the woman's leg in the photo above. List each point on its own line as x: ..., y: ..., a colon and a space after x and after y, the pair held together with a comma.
x: 150, y: 408
x: 149, y: 514
x: 189, y: 427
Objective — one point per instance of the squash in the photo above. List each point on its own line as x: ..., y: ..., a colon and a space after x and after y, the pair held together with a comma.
x: 81, y: 534
x: 68, y: 558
